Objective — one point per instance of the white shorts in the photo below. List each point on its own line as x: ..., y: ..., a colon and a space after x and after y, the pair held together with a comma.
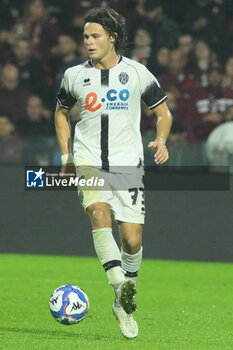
x: 123, y: 192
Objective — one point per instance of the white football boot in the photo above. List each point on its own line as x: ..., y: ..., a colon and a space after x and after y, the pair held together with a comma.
x: 125, y: 294
x: 128, y: 325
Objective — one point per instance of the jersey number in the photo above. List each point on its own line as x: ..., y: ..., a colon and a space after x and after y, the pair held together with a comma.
x: 134, y: 191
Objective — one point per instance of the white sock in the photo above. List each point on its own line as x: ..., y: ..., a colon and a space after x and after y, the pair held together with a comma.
x: 108, y: 254
x: 131, y: 264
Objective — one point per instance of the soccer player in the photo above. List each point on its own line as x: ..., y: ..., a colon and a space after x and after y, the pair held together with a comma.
x: 108, y: 89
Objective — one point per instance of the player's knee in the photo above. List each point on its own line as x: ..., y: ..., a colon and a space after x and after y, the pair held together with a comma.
x: 98, y: 215
x: 132, y: 245
x: 100, y: 218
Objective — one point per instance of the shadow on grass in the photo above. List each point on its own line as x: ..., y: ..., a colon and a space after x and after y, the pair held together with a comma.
x: 55, y: 333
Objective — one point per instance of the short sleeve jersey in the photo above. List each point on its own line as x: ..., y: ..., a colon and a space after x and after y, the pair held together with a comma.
x: 109, y: 103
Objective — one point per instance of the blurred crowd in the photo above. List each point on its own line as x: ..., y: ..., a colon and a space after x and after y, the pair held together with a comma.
x: 187, y: 45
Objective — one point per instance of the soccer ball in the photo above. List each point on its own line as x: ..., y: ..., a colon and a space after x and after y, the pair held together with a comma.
x: 69, y: 304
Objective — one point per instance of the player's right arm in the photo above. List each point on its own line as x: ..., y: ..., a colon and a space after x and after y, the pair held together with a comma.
x: 64, y: 138
x: 154, y: 97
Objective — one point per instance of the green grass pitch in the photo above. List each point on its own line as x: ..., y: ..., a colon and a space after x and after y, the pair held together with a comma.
x: 181, y: 305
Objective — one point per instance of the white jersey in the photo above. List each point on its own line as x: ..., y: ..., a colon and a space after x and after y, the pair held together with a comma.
x: 109, y: 103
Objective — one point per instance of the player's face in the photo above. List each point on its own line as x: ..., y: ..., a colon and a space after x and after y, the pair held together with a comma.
x: 97, y: 41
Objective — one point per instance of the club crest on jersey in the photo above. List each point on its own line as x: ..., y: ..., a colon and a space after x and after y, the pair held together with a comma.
x: 123, y: 77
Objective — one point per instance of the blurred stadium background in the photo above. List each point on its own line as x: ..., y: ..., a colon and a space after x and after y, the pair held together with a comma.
x: 188, y: 45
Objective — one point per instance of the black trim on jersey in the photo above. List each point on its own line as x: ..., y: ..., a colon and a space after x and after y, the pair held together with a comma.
x: 104, y: 125
x: 120, y: 59
x: 110, y: 264
x: 104, y: 141
x: 104, y: 77
x: 90, y: 63
x: 65, y: 100
x: 153, y: 95
x: 158, y: 103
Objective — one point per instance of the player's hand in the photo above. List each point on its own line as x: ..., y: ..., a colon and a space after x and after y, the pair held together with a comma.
x: 161, y: 155
x: 68, y: 171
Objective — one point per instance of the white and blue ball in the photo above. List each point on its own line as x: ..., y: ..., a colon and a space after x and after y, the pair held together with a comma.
x: 69, y: 304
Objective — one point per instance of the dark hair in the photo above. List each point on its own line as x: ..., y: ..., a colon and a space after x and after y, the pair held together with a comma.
x: 113, y: 23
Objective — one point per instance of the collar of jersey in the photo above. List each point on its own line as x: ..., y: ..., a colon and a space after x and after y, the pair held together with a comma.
x: 119, y: 60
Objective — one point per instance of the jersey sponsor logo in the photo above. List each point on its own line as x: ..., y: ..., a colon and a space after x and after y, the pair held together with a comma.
x: 123, y: 77
x: 90, y: 102
x: 115, y: 100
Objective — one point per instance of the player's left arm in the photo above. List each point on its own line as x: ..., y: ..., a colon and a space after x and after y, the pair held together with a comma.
x: 164, y: 122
